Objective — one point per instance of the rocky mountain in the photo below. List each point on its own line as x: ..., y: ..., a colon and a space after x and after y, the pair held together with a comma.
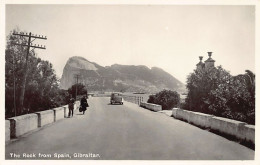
x: 125, y: 78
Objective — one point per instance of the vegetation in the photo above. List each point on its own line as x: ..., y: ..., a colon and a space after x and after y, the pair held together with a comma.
x: 217, y: 92
x: 212, y: 91
x: 166, y: 98
x: 80, y: 88
x: 42, y: 87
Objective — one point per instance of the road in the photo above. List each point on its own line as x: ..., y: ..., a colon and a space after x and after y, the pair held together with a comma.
x: 115, y: 132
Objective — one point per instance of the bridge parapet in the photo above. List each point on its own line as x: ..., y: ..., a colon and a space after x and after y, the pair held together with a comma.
x: 7, y: 130
x: 200, y: 119
x: 249, y: 131
x: 133, y: 99
x: 228, y: 126
x: 23, y: 124
x: 66, y: 111
x: 58, y: 113
x: 45, y: 117
x: 153, y: 107
x: 238, y: 129
x: 20, y: 125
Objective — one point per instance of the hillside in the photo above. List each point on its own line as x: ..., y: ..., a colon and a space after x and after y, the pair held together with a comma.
x: 125, y: 78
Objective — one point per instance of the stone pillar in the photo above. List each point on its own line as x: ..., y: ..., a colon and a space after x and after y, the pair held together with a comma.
x: 209, y: 63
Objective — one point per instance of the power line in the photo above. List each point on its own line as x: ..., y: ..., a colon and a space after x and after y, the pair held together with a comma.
x: 28, y: 45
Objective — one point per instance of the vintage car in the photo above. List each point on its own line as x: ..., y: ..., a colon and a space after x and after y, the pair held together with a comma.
x: 116, y: 98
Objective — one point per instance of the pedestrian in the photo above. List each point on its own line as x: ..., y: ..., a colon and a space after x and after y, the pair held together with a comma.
x: 71, y: 107
x: 84, y: 104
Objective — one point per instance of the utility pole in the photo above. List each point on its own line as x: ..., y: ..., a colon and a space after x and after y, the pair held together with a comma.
x: 28, y: 45
x: 77, y: 78
x: 14, y: 87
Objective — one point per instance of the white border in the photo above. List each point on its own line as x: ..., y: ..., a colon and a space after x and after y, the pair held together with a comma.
x: 124, y: 2
x: 136, y: 2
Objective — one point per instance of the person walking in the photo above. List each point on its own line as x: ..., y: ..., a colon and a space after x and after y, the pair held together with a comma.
x: 84, y: 104
x: 71, y: 107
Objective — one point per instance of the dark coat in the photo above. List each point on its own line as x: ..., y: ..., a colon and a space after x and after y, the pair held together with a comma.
x: 84, y: 103
x: 71, y: 104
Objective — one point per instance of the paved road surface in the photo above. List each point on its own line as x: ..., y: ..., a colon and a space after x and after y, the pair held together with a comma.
x: 125, y: 132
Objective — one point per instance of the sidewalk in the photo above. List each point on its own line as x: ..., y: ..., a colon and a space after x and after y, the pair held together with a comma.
x: 166, y: 112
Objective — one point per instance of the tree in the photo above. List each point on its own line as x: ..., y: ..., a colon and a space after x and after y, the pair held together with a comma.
x: 216, y: 92
x: 42, y: 86
x: 239, y: 99
x: 14, y: 69
x: 81, y: 90
x: 166, y: 98
x: 250, y: 84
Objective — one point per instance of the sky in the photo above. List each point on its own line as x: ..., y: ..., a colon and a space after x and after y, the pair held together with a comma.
x: 171, y: 37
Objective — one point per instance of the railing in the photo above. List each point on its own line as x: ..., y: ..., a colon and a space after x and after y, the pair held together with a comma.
x: 134, y: 99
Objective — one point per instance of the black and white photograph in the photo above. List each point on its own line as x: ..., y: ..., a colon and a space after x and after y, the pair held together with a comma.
x: 145, y: 82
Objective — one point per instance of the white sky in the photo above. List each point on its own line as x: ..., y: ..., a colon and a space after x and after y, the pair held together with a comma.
x: 170, y: 37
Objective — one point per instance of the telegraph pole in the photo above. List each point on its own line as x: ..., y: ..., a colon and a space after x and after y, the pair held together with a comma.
x: 77, y: 78
x: 29, y: 45
x: 14, y: 87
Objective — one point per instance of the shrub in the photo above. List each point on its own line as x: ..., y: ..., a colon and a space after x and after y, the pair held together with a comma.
x: 167, y: 99
x: 219, y: 93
